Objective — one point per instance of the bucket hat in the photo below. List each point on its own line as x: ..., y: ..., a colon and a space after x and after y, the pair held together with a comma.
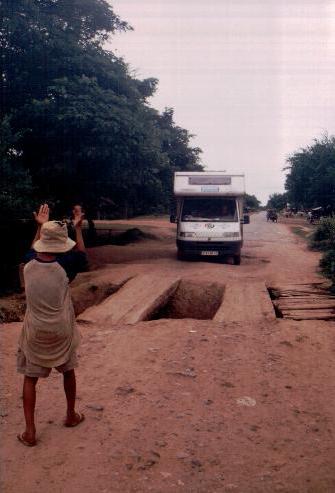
x: 54, y: 238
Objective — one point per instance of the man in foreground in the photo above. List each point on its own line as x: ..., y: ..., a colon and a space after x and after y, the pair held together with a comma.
x: 49, y: 336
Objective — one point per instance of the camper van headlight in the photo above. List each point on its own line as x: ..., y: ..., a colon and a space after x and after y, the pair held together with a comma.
x: 229, y: 234
x: 184, y: 234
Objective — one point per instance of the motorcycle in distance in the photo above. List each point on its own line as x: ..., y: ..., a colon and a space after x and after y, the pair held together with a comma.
x: 272, y: 216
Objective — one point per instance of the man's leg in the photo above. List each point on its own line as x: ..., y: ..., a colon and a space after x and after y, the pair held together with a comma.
x: 72, y: 418
x: 29, y: 400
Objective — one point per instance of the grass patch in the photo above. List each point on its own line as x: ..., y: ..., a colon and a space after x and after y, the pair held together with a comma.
x: 299, y: 231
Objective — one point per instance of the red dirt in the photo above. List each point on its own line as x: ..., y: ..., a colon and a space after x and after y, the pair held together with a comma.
x: 186, y: 405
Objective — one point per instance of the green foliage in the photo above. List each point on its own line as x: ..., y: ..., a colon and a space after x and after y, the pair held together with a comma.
x: 310, y: 181
x: 324, y: 239
x: 327, y: 265
x: 252, y: 202
x: 277, y: 201
x: 15, y: 182
x: 83, y: 128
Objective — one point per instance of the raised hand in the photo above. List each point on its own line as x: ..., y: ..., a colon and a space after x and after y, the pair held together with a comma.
x: 42, y: 216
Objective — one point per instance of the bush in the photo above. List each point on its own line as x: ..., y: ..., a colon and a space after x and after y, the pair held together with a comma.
x: 323, y: 237
x: 327, y: 264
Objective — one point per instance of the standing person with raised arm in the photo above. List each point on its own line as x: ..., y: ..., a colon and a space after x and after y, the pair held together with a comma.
x: 49, y: 336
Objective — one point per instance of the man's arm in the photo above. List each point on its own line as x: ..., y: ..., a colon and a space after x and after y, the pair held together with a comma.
x: 77, y: 224
x: 41, y: 217
x: 80, y: 245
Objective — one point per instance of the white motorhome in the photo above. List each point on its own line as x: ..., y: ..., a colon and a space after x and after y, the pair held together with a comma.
x: 209, y: 214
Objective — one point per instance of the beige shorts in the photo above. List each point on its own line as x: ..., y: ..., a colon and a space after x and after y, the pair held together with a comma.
x: 31, y: 370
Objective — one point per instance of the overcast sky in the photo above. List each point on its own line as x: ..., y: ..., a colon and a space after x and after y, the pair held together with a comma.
x: 254, y: 80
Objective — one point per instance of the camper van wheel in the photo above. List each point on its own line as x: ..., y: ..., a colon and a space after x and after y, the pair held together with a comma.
x: 237, y: 259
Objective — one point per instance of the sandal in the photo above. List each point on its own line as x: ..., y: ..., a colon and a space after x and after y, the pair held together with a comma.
x: 80, y: 420
x: 26, y: 442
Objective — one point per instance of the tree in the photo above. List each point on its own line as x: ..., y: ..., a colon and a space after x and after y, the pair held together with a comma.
x: 310, y: 181
x: 277, y: 201
x: 252, y: 202
x: 83, y: 126
x: 15, y: 182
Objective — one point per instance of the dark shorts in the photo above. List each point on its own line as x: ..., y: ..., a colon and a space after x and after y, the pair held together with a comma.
x: 31, y: 370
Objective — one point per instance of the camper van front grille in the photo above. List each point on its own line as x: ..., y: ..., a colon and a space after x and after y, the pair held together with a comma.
x: 223, y: 247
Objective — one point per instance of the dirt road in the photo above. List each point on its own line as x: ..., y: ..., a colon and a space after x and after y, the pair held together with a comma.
x: 240, y: 401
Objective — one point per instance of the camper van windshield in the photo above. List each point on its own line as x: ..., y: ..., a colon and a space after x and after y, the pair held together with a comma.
x: 209, y: 209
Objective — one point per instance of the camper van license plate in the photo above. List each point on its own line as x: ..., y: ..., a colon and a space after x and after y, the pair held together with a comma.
x: 209, y: 252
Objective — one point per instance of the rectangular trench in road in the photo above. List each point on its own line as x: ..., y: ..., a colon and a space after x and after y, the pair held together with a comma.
x: 303, y: 302
x: 197, y: 300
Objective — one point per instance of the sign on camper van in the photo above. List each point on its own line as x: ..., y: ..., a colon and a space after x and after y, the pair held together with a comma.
x: 209, y: 180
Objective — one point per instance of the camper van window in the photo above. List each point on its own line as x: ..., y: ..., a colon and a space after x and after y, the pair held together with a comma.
x: 209, y: 209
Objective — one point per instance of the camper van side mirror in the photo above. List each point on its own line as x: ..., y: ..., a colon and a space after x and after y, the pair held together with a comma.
x: 246, y: 219
x: 172, y: 218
